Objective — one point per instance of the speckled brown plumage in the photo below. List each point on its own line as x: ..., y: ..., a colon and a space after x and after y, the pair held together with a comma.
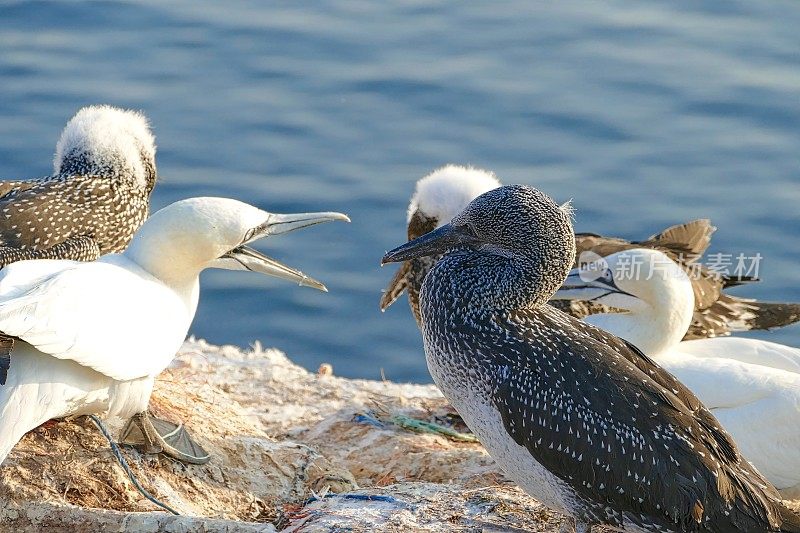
x: 77, y: 217
x: 95, y: 201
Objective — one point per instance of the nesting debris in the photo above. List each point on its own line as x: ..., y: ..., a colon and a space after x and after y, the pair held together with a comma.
x: 425, y: 507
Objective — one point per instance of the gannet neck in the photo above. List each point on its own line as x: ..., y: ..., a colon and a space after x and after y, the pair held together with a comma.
x: 657, y: 319
x: 446, y: 191
x: 110, y: 142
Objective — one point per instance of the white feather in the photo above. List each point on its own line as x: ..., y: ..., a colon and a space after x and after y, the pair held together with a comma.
x: 108, y: 315
x: 108, y: 135
x: 446, y: 191
x: 568, y: 209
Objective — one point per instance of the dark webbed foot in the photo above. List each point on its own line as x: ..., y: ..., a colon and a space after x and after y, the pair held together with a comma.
x: 154, y: 435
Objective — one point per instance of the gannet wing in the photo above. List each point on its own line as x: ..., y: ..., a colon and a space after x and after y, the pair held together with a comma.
x: 756, y: 403
x: 43, y: 211
x: 681, y: 455
x: 100, y: 315
x: 9, y: 186
x: 725, y: 383
x: 684, y: 243
x: 731, y: 313
x: 715, y: 313
x: 78, y: 248
x: 689, y: 240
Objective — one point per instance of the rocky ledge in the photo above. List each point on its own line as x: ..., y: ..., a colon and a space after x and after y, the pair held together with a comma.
x: 292, y: 450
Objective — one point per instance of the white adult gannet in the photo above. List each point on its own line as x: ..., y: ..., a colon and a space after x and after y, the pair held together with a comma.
x: 751, y: 386
x: 90, y: 338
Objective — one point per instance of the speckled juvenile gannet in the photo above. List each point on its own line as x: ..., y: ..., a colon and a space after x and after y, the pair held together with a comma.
x: 92, y: 337
x: 751, y: 386
x: 104, y: 170
x: 441, y: 195
x: 582, y: 420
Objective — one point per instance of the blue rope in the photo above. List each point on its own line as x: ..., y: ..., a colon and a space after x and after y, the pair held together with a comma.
x: 361, y: 497
x: 118, y: 454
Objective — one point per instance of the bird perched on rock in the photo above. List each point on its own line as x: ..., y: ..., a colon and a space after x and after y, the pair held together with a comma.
x: 91, y: 337
x: 752, y: 386
x: 445, y: 192
x: 580, y: 419
x: 104, y: 170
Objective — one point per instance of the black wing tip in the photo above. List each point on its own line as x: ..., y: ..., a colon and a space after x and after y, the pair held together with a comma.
x: 790, y: 519
x: 769, y: 315
x: 5, y: 364
x: 6, y: 346
x: 735, y: 281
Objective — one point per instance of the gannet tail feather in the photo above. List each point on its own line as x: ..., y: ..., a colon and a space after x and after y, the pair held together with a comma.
x: 730, y: 313
x: 396, y: 287
x: 692, y: 238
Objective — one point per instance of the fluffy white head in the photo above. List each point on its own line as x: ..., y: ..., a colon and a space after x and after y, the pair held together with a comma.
x: 445, y: 192
x: 107, y: 139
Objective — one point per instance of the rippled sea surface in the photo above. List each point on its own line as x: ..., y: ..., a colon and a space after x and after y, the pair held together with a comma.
x: 645, y: 113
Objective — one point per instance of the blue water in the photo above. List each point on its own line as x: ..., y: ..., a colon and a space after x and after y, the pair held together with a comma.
x: 646, y: 113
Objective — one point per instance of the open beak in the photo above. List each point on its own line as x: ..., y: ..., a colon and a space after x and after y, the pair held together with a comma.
x: 245, y: 258
x: 582, y: 285
x: 437, y: 242
x: 277, y: 224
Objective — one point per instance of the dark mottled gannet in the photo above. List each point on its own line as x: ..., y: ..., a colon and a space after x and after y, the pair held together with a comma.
x: 442, y: 194
x: 104, y: 170
x: 95, y: 335
x: 582, y: 420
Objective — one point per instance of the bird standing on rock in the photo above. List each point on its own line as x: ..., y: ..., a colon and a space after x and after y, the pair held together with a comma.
x: 580, y: 419
x: 91, y: 337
